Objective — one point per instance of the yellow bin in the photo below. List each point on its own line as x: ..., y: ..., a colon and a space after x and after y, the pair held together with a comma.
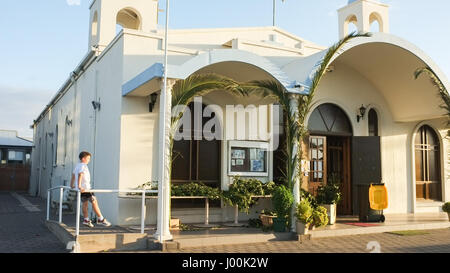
x: 378, y: 197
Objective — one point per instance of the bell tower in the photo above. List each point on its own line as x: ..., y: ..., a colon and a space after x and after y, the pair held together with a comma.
x: 105, y: 15
x: 363, y: 13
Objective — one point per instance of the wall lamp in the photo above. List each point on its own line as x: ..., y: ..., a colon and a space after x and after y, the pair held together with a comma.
x: 152, y: 103
x: 362, y: 112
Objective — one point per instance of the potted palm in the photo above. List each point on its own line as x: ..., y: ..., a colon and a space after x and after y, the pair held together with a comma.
x: 282, y: 201
x: 446, y: 208
x: 304, y: 216
x: 329, y: 196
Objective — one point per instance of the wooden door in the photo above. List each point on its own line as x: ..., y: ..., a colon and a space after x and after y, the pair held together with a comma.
x: 338, y: 167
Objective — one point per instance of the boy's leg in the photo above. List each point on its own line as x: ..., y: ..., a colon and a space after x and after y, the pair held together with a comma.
x: 96, y: 208
x: 86, y: 209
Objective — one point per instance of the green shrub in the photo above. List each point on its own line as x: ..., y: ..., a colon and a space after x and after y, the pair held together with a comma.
x: 268, y: 212
x: 308, y: 196
x: 268, y: 188
x: 446, y: 207
x: 282, y: 201
x: 320, y: 217
x: 304, y: 212
x: 241, y: 191
x: 196, y: 189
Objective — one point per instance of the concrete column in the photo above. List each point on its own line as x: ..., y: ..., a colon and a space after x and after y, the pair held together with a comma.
x: 164, y: 195
x: 296, y: 188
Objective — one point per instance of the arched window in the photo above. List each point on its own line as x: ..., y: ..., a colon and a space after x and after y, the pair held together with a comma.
x: 329, y: 119
x: 376, y: 23
x: 127, y: 18
x: 350, y: 24
x: 373, y: 123
x: 428, y: 165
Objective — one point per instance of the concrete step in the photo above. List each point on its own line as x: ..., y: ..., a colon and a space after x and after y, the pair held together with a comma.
x: 188, y: 241
x: 376, y: 229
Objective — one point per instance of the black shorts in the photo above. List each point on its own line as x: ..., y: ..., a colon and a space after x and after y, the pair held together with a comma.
x: 87, y: 196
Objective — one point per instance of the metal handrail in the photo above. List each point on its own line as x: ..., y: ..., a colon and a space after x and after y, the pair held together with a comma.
x: 62, y: 188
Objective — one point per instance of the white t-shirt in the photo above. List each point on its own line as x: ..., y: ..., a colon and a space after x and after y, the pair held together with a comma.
x: 86, y: 179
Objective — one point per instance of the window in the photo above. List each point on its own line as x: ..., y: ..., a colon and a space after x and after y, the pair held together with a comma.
x: 318, y: 171
x: 373, y: 123
x: 427, y: 165
x: 247, y: 158
x: 329, y: 119
x: 15, y: 157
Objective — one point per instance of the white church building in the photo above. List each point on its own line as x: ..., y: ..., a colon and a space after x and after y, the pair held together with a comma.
x: 371, y: 121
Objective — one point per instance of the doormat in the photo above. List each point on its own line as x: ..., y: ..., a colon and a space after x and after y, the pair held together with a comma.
x: 362, y: 224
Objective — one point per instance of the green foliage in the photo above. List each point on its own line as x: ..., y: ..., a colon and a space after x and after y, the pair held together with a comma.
x: 241, y: 191
x: 330, y: 193
x: 309, y: 197
x: 282, y: 200
x: 443, y: 93
x: 446, y: 207
x: 196, y: 189
x: 268, y: 212
x: 320, y: 217
x: 304, y: 212
x: 268, y: 188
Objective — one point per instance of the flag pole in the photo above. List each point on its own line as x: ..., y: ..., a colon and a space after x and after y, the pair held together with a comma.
x: 163, y: 232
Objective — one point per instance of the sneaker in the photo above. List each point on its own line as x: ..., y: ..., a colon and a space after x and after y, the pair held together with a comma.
x: 104, y: 222
x: 88, y: 223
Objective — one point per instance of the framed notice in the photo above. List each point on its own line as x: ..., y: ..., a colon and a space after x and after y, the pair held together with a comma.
x: 248, y: 158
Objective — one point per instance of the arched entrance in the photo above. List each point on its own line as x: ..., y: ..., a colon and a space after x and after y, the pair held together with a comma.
x: 329, y: 150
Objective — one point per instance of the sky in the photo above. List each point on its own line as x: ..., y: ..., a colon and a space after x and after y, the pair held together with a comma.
x: 41, y: 42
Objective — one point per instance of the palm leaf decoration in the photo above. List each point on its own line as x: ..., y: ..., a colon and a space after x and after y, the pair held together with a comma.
x: 443, y: 93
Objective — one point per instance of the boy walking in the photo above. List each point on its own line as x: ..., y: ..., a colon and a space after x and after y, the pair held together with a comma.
x: 81, y: 179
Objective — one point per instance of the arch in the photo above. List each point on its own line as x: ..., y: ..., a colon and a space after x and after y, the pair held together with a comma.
x: 427, y: 159
x: 350, y: 24
x: 335, y: 102
x: 329, y: 119
x: 376, y: 17
x: 129, y: 18
x: 138, y: 85
x: 384, y: 53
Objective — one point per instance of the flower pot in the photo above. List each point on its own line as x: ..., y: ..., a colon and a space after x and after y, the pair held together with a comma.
x: 331, y: 212
x: 302, y: 229
x: 267, y: 220
x: 174, y: 224
x: 279, y: 224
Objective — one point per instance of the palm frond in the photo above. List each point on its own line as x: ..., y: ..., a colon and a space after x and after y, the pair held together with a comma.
x: 443, y: 93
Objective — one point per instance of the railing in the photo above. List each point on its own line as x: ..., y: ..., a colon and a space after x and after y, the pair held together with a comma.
x: 77, y: 228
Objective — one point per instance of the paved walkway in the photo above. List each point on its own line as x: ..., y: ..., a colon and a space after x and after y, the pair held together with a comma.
x: 22, y: 228
x: 435, y: 241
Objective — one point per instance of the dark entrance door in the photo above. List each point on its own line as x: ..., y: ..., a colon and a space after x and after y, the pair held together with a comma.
x: 366, y: 163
